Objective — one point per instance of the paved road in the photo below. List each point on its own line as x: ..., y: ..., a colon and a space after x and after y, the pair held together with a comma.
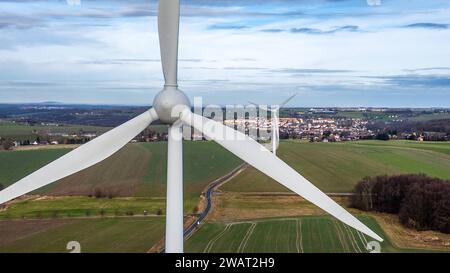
x: 208, y: 195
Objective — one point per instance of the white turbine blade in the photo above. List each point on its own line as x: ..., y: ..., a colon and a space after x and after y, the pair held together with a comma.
x: 287, y: 100
x: 168, y: 25
x: 81, y: 158
x: 275, y: 131
x: 174, y: 201
x: 262, y: 159
x: 278, y: 131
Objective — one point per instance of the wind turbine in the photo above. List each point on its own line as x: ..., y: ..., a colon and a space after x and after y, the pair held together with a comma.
x: 171, y: 106
x: 275, y: 111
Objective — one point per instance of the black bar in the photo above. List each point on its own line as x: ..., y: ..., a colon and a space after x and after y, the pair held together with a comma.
x: 310, y: 263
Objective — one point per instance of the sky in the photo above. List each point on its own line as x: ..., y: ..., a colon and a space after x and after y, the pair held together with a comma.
x: 380, y: 53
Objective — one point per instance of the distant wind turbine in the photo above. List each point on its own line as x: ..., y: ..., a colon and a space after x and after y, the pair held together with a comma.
x: 275, y: 114
x: 171, y: 106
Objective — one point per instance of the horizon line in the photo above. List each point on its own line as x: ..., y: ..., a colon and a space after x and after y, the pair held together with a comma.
x: 48, y: 103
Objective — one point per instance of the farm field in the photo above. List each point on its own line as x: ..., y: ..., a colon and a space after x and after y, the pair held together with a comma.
x: 244, y: 207
x: 17, y: 131
x: 431, y: 116
x: 306, y: 234
x: 120, y: 234
x: 138, y: 169
x: 9, y: 129
x: 336, y: 167
x: 80, y: 206
x: 242, y: 220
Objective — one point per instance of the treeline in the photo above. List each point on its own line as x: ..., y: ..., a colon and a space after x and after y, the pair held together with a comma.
x: 421, y: 202
x: 409, y: 126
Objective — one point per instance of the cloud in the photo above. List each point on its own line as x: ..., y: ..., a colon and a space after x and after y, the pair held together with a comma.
x: 441, y: 68
x: 307, y: 30
x: 55, y: 42
x: 347, y: 28
x: 428, y: 26
x: 10, y: 20
x: 244, y: 68
x: 416, y: 80
x: 272, y: 30
x: 121, y: 61
x: 28, y: 84
x: 310, y: 71
x: 227, y: 26
x: 27, y: 38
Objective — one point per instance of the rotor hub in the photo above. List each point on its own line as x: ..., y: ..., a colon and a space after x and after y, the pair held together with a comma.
x: 169, y: 103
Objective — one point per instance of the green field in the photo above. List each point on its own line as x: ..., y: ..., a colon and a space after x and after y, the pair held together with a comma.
x: 307, y: 234
x: 75, y: 206
x: 363, y: 115
x: 16, y: 131
x: 431, y: 116
x: 138, y: 170
x: 336, y: 167
x: 122, y: 234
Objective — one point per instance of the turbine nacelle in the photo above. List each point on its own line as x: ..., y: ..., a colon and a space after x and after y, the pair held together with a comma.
x: 169, y: 103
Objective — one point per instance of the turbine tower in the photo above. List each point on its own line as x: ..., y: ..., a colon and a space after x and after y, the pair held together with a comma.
x: 171, y: 106
x: 275, y: 114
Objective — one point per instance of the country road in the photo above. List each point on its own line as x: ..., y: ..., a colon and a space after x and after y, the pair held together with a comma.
x: 188, y: 231
x: 208, y: 197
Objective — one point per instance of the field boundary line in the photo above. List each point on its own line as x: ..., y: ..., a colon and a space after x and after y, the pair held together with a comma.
x: 299, y: 239
x: 218, y: 236
x: 356, y: 240
x: 363, y: 239
x: 353, y: 239
x: 246, y: 238
x: 349, y: 235
x: 341, y: 236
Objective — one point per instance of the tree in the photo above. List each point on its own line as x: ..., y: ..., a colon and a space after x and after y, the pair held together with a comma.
x: 442, y: 214
x: 421, y: 202
x: 98, y: 193
x: 382, y: 136
x: 7, y: 145
x: 363, y: 194
x: 195, y: 210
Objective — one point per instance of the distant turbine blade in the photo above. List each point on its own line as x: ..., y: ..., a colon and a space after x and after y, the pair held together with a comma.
x: 81, y: 158
x: 275, y: 131
x: 278, y: 133
x: 262, y: 159
x: 286, y: 101
x: 263, y: 107
x: 168, y: 26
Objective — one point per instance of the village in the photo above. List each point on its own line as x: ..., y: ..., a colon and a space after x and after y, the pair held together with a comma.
x: 314, y: 125
x: 312, y: 129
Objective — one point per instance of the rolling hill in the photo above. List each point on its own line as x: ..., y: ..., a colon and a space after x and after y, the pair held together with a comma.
x: 139, y: 169
x: 336, y: 167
